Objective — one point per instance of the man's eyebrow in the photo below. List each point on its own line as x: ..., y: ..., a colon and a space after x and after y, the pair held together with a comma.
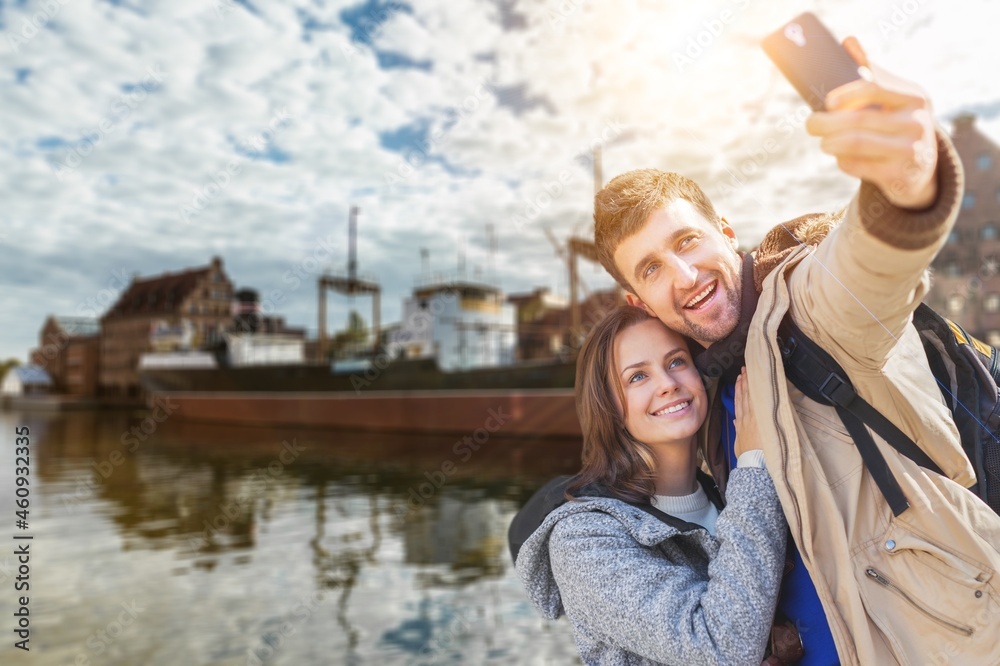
x: 642, y: 263
x: 648, y: 258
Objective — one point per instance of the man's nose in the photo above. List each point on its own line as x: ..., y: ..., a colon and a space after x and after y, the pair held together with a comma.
x: 685, y: 274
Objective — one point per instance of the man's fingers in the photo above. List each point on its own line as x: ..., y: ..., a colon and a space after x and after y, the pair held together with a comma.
x: 858, y: 168
x: 869, y: 146
x: 883, y: 172
x: 903, y: 123
x: 861, y: 93
x: 853, y: 48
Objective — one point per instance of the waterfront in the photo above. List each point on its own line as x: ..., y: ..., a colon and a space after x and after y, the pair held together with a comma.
x: 201, y: 544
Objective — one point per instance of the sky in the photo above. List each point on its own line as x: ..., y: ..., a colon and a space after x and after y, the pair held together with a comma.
x: 145, y: 137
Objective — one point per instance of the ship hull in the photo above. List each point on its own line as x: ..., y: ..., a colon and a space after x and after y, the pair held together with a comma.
x: 474, y: 413
x: 531, y: 400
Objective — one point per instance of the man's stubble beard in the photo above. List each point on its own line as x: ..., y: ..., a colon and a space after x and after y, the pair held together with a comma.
x: 711, y: 333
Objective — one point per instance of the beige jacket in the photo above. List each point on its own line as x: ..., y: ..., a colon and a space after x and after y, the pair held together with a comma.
x: 921, y: 588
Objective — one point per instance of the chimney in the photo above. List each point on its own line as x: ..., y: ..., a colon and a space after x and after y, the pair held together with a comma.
x: 963, y: 122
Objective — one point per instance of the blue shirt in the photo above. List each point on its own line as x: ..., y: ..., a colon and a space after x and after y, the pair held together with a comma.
x: 798, y: 599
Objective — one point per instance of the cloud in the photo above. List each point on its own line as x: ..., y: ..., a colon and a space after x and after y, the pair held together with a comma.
x: 436, y: 119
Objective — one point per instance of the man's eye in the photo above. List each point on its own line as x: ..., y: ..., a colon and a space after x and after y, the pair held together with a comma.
x: 649, y: 270
x: 687, y: 240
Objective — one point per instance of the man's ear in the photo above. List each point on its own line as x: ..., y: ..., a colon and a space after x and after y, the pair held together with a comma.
x: 635, y: 301
x: 730, y: 233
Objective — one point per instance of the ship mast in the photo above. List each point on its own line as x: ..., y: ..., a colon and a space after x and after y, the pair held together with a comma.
x: 349, y: 285
x: 586, y: 249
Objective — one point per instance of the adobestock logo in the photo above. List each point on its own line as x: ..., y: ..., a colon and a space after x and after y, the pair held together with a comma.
x: 220, y: 179
x: 464, y: 448
x: 32, y: 25
x: 711, y: 29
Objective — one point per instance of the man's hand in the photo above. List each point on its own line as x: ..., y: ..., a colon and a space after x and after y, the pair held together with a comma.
x: 881, y: 130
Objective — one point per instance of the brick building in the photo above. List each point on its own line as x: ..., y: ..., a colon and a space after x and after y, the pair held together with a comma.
x: 543, y: 322
x: 966, y: 285
x: 69, y: 351
x: 202, y: 296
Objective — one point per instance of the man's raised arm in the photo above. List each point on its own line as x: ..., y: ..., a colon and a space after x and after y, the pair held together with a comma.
x: 868, y: 275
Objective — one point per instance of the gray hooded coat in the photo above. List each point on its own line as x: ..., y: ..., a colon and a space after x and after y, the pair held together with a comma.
x: 639, y: 591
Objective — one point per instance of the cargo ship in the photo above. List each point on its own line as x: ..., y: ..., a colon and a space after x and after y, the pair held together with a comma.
x: 449, y: 367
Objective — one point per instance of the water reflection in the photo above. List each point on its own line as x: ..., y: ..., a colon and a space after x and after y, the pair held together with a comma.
x: 276, y: 546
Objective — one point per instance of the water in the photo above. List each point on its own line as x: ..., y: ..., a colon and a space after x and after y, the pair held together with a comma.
x: 201, y: 544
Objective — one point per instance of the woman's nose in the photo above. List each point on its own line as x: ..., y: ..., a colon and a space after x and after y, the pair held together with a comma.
x: 667, y: 384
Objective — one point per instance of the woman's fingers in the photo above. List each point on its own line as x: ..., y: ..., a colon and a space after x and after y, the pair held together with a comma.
x: 746, y: 427
x: 740, y: 398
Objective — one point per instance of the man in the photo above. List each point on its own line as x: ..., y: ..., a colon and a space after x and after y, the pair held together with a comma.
x: 866, y: 587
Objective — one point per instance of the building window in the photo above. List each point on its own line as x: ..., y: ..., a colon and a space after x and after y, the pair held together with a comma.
x: 989, y: 266
x: 984, y: 162
x: 952, y: 269
x: 993, y: 338
x: 953, y: 237
x: 991, y: 303
x: 969, y: 200
x: 955, y: 303
x: 988, y: 232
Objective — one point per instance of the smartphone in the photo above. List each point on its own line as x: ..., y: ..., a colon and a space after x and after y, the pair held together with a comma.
x: 810, y: 58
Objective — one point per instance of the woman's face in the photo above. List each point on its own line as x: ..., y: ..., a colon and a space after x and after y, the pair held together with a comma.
x: 665, y: 398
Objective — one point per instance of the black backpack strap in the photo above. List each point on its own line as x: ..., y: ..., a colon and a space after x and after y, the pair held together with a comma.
x: 552, y: 495
x: 711, y: 489
x: 820, y: 377
x: 545, y: 500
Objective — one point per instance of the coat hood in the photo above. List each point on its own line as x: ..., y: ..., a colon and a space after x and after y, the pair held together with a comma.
x: 533, y: 565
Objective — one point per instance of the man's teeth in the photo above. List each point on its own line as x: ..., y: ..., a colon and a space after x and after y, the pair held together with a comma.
x: 700, y: 297
x: 673, y: 408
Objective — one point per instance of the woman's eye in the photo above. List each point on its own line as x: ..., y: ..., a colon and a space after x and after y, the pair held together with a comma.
x: 677, y: 363
x: 637, y: 376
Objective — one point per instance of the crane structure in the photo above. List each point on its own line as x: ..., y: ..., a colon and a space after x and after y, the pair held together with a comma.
x: 350, y: 285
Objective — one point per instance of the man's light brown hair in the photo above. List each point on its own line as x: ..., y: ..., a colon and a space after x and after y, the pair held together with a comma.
x: 622, y: 208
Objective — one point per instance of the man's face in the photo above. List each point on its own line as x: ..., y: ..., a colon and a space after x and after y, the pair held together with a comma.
x: 685, y: 271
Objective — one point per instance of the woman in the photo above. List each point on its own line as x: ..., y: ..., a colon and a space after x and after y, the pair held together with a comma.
x: 697, y: 586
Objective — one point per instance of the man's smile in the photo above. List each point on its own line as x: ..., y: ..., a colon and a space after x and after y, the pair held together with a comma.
x: 703, y: 298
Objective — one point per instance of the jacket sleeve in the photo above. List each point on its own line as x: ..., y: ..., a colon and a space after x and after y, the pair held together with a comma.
x: 652, y: 602
x: 867, y: 276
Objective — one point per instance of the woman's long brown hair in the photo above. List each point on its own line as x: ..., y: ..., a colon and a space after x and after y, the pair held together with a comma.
x: 611, y: 456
